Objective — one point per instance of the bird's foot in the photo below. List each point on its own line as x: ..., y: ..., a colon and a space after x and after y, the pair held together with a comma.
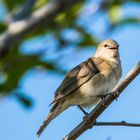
x: 114, y: 95
x: 102, y: 97
x: 90, y: 125
x: 86, y: 115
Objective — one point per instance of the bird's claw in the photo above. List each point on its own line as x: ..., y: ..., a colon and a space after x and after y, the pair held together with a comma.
x: 86, y: 115
x: 112, y: 94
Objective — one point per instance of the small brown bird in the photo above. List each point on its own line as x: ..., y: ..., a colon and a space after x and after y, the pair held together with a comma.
x: 85, y: 84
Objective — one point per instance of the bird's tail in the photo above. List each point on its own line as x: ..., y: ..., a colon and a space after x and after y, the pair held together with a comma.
x: 55, y: 111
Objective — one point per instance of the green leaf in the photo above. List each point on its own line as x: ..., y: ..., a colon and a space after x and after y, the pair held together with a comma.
x: 25, y: 100
x: 135, y: 1
x: 17, y: 65
x: 129, y: 21
x: 2, y: 27
x: 123, y: 22
x: 40, y: 3
x: 115, y: 13
x: 11, y: 4
x: 36, y: 32
x: 87, y: 39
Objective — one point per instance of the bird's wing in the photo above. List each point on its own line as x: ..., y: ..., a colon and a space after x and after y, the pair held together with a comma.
x: 76, y: 78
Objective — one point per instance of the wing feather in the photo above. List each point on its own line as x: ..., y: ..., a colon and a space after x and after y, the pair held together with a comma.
x: 76, y: 78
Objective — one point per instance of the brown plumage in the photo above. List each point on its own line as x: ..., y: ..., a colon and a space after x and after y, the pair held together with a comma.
x: 83, y: 84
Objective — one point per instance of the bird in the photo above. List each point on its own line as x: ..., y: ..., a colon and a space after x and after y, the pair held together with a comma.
x: 88, y: 82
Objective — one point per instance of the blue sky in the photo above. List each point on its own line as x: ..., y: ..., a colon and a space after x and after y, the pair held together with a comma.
x: 18, y: 123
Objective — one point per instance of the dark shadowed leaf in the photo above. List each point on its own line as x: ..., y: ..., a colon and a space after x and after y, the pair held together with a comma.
x: 121, y: 23
x: 87, y: 39
x: 129, y: 21
x: 36, y: 32
x: 25, y: 100
x: 2, y: 27
x: 11, y: 4
x: 16, y: 65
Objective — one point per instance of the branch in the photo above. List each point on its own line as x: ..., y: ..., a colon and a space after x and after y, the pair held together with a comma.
x: 17, y: 30
x: 122, y: 123
x: 98, y: 110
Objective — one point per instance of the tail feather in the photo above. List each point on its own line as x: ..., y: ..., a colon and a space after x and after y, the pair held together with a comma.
x: 55, y: 111
x: 45, y: 124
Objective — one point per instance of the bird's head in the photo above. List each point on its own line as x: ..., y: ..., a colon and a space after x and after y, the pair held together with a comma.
x: 108, y: 50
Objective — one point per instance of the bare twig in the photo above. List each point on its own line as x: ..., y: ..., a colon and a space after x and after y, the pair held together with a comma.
x: 97, y: 111
x: 122, y: 123
x: 17, y: 30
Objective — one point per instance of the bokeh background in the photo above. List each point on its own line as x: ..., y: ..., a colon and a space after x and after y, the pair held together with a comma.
x: 33, y: 64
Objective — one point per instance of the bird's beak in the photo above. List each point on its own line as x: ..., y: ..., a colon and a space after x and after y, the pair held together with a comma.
x: 114, y: 47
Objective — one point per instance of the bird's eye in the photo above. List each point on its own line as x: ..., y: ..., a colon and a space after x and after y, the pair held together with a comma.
x: 106, y: 46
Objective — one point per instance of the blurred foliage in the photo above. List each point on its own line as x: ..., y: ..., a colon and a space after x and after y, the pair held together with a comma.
x: 16, y: 64
x: 11, y: 4
x: 2, y: 27
x: 40, y: 3
x: 25, y: 100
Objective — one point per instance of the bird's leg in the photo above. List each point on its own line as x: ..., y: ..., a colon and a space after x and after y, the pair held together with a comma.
x: 82, y: 110
x: 86, y: 114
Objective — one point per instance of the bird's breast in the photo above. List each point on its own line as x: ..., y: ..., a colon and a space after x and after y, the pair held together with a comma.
x: 100, y: 84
